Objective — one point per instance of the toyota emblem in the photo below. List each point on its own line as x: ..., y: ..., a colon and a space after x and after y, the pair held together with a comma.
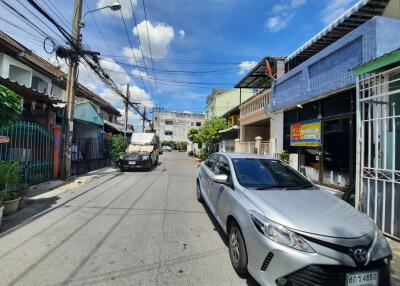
x: 361, y: 255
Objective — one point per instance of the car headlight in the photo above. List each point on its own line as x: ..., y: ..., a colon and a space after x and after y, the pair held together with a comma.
x: 145, y: 157
x: 279, y: 233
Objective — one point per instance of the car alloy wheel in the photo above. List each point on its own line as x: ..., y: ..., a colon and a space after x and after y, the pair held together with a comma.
x: 234, y: 247
x: 198, y: 193
x: 237, y: 249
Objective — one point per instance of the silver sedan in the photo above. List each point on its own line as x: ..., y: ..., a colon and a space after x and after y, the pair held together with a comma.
x: 284, y: 230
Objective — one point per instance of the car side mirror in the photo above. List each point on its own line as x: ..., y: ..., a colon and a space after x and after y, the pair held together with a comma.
x: 221, y: 179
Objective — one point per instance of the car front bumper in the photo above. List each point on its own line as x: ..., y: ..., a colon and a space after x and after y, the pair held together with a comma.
x: 126, y: 164
x: 272, y: 264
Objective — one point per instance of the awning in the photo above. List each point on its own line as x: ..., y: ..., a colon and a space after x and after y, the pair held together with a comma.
x: 28, y: 93
x: 229, y: 133
x: 85, y: 112
x: 230, y: 129
x: 354, y: 17
x: 115, y: 128
x: 380, y: 62
x: 257, y: 77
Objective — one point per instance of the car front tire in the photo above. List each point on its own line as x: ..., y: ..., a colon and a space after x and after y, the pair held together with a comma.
x: 237, y: 249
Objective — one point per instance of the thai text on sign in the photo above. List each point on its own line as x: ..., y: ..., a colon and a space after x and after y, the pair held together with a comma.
x: 306, y: 133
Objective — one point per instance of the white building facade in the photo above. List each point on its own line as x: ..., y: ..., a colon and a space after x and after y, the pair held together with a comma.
x: 174, y: 126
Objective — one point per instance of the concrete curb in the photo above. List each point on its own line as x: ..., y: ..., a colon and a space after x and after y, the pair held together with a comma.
x: 38, y: 215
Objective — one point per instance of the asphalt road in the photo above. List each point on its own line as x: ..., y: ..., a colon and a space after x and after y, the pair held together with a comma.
x: 139, y: 228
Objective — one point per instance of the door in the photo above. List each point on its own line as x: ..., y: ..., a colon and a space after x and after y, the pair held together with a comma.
x: 218, y: 191
x: 208, y: 177
x: 336, y: 152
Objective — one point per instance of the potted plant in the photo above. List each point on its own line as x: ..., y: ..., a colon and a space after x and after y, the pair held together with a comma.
x: 9, y: 182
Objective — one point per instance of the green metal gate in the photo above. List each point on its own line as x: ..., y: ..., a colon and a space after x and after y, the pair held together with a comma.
x: 32, y: 146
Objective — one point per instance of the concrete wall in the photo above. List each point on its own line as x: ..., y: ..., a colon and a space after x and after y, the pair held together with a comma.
x: 332, y: 68
x: 221, y: 103
x: 182, y: 122
x: 249, y: 133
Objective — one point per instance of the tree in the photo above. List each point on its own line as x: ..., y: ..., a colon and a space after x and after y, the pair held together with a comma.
x: 10, y: 106
x: 192, y: 135
x: 118, y: 146
x: 208, y: 134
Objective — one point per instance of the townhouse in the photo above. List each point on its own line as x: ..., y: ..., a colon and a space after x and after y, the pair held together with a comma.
x: 36, y: 141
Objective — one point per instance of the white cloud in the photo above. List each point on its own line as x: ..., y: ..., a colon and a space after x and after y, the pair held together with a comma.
x: 182, y: 34
x: 133, y: 117
x: 111, y: 97
x: 334, y: 9
x: 246, y: 66
x: 144, y: 75
x: 137, y: 95
x: 161, y: 36
x: 283, y: 14
x: 116, y: 72
x: 132, y: 54
x: 126, y: 8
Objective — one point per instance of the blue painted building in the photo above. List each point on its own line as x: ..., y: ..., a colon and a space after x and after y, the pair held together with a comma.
x: 321, y: 87
x: 331, y: 69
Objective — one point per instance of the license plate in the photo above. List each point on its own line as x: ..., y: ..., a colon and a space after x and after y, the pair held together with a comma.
x: 132, y: 163
x: 362, y: 279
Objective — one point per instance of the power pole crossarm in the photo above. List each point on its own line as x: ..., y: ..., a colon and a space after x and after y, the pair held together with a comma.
x: 71, y: 89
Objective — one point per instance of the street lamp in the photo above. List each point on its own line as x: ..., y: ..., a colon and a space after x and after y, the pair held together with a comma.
x: 114, y: 7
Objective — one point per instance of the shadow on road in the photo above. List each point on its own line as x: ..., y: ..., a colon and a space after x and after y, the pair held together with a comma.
x: 25, y: 214
x: 249, y: 280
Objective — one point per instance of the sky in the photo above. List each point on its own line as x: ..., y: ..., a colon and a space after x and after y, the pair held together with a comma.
x: 194, y: 45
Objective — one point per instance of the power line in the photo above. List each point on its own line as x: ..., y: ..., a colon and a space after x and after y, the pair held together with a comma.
x: 40, y: 20
x: 181, y: 61
x: 130, y: 44
x: 148, y: 39
x: 24, y: 19
x: 175, y: 71
x: 94, y: 64
x: 173, y: 81
x: 140, y: 46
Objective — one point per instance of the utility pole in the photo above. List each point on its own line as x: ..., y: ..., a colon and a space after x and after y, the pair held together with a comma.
x: 71, y: 89
x: 126, y: 111
x: 144, y: 118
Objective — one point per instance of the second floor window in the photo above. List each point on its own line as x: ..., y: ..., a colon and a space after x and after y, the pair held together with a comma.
x: 198, y: 124
x: 169, y: 122
x: 168, y: 133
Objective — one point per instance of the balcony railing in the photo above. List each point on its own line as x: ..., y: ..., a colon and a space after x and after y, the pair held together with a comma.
x: 257, y: 103
x: 257, y: 147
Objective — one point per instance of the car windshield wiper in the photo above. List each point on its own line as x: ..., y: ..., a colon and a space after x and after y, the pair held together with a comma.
x: 266, y: 187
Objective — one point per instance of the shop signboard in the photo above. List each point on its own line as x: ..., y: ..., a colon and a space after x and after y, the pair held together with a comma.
x: 306, y: 134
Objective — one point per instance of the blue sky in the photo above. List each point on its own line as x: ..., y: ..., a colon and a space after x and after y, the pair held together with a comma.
x: 196, y: 45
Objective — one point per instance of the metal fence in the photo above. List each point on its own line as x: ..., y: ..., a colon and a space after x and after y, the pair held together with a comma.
x: 32, y: 146
x: 90, y: 154
x: 378, y: 169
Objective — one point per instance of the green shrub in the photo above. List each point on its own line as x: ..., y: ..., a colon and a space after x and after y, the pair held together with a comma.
x: 202, y: 155
x: 10, y: 179
x: 118, y: 147
x: 284, y: 156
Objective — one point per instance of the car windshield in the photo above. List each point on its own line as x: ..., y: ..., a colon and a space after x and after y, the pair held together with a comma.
x: 263, y: 174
